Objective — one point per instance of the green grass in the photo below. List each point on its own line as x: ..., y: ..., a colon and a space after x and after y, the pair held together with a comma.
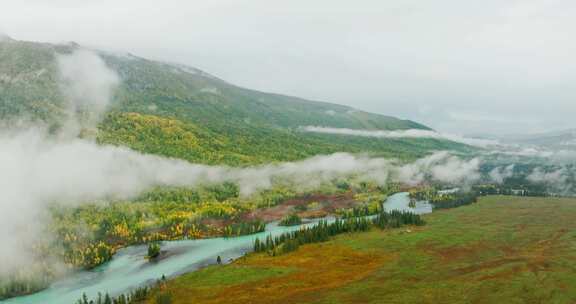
x: 500, y: 250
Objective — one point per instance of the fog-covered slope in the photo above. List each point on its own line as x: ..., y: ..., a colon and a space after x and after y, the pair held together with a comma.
x: 226, y: 123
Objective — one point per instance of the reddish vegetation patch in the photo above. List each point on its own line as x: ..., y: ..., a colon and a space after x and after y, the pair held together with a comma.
x: 534, y: 257
x: 455, y: 253
x: 408, y: 188
x: 488, y: 265
x: 315, y: 272
x: 215, y: 223
x: 328, y: 203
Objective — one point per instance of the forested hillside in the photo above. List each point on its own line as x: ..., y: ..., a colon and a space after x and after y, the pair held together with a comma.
x: 182, y: 112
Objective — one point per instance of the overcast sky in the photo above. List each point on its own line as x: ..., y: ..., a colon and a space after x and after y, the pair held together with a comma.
x: 458, y: 66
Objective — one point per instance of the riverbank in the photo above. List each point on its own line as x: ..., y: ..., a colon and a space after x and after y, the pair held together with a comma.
x: 170, y: 215
x: 129, y: 268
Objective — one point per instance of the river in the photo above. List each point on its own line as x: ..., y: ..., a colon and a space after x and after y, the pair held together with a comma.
x: 129, y: 268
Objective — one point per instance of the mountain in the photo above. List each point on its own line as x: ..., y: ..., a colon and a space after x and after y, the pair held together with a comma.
x: 180, y: 111
x: 562, y: 139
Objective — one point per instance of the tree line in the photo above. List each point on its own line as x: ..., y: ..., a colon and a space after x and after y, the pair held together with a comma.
x: 244, y: 228
x: 138, y: 295
x: 135, y: 296
x: 321, y: 232
x: 454, y: 200
x: 291, y: 220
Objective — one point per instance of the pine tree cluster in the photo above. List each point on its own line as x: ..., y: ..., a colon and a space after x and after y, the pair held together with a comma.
x: 290, y: 241
x: 135, y: 296
x: 244, y: 228
x: 454, y: 200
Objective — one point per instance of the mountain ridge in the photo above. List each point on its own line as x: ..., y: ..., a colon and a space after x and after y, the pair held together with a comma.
x: 246, y: 120
x: 199, y: 82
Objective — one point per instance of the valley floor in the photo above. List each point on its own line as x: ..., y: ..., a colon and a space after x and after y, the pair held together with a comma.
x: 500, y: 250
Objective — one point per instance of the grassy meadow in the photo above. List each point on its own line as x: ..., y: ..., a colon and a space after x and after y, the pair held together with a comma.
x: 500, y: 250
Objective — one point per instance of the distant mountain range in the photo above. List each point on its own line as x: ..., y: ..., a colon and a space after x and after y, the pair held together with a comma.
x: 559, y: 139
x: 180, y: 111
x: 563, y: 139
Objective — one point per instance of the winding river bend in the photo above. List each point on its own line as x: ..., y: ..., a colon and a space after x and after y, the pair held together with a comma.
x: 129, y: 268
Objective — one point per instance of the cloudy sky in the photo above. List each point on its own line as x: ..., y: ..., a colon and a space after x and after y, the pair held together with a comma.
x: 460, y: 66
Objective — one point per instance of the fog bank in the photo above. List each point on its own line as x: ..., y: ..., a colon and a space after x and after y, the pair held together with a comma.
x: 39, y: 170
x: 410, y: 133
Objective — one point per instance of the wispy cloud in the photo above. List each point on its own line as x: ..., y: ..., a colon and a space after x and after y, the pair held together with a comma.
x: 411, y: 133
x: 88, y: 84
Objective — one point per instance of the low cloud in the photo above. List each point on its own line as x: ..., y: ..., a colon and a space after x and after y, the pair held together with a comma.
x: 411, y: 133
x: 441, y: 167
x: 88, y: 85
x: 39, y: 170
x: 4, y: 36
x: 551, y: 156
x: 500, y: 174
x: 524, y: 151
x: 556, y: 180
